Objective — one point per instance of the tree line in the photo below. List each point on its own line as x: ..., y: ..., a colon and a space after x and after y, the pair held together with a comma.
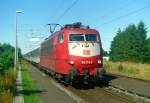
x: 6, y: 57
x: 7, y: 75
x: 131, y: 44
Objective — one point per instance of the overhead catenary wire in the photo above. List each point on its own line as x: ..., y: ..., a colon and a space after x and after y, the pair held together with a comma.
x: 57, y: 8
x: 60, y: 5
x: 113, y: 11
x: 66, y: 11
x: 123, y: 16
x: 55, y: 24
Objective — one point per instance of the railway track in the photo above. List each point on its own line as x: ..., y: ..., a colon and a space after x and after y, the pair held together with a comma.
x: 132, y: 94
x: 99, y: 95
x: 94, y: 94
x: 108, y: 94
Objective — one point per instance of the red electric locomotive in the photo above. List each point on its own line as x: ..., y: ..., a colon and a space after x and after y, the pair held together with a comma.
x: 73, y: 54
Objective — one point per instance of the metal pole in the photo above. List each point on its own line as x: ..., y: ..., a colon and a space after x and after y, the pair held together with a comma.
x: 16, y: 46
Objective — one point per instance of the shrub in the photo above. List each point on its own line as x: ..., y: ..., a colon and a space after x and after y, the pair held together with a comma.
x: 120, y: 68
x: 132, y: 71
x: 6, y: 97
x: 7, y: 86
x: 10, y: 78
x: 107, y: 66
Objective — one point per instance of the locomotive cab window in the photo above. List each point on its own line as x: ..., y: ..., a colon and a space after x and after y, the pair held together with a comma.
x: 76, y: 37
x: 83, y: 37
x: 60, y: 38
x: 91, y: 37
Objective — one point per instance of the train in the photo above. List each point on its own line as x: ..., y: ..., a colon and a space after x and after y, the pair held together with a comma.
x: 72, y: 54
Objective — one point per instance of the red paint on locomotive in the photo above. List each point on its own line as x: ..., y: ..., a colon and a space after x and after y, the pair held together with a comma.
x: 72, y: 49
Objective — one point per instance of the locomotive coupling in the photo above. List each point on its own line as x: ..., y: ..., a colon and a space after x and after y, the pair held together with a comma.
x: 73, y: 73
x: 85, y: 74
x: 100, y: 72
x: 75, y: 76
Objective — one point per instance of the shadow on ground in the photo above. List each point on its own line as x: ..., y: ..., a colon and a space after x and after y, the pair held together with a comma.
x: 108, y: 78
x: 30, y: 92
x: 102, y: 83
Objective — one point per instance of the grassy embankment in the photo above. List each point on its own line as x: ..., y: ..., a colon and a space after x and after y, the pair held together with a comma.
x: 7, y: 86
x: 136, y: 70
x: 29, y: 86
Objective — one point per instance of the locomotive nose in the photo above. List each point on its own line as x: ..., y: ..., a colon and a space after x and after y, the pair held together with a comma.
x: 91, y: 64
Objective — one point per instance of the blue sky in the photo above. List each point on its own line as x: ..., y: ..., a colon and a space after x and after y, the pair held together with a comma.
x: 37, y: 13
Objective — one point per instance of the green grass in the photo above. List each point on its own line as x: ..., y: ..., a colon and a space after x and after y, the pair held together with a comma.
x: 29, y: 86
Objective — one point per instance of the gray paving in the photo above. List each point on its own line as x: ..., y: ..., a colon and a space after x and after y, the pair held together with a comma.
x: 49, y: 93
x: 136, y: 86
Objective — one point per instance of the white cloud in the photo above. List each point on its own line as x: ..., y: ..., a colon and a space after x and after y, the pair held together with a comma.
x: 34, y: 39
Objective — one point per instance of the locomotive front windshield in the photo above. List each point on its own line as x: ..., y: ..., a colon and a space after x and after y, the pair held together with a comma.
x: 83, y: 37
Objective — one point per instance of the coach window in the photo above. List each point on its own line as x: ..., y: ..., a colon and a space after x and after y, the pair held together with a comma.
x: 60, y: 38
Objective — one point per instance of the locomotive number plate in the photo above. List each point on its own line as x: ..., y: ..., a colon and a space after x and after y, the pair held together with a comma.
x: 86, y: 62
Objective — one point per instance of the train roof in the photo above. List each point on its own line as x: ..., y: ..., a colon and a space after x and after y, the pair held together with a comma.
x: 74, y: 26
x: 77, y: 25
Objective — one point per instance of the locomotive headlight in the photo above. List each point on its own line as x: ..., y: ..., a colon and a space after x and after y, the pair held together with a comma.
x: 99, y: 61
x: 71, y: 62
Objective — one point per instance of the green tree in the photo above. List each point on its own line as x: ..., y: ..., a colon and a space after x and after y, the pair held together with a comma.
x: 148, y: 47
x: 105, y: 53
x: 141, y: 47
x: 6, y: 57
x: 130, y: 44
x: 148, y: 44
x: 115, y: 47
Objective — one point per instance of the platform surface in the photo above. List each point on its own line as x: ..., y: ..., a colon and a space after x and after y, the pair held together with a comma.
x: 50, y: 94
